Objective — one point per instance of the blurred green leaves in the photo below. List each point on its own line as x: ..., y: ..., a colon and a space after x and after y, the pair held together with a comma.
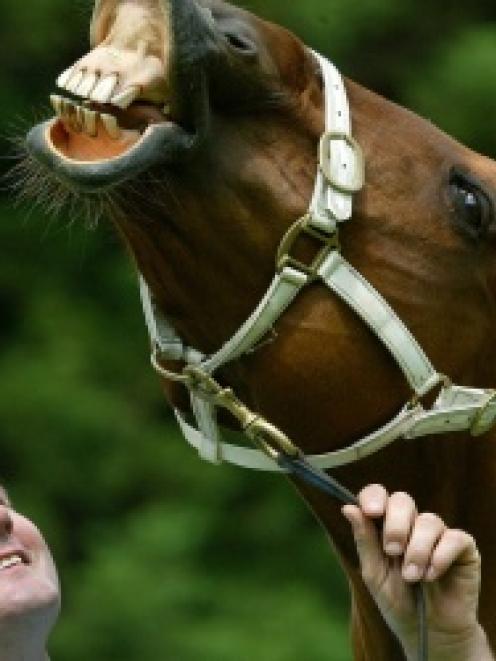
x: 161, y: 556
x: 462, y: 71
x: 171, y: 592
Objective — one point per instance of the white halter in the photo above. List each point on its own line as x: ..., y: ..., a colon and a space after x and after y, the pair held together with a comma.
x: 339, y: 176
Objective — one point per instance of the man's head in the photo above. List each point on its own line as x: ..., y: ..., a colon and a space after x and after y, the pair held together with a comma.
x: 29, y: 586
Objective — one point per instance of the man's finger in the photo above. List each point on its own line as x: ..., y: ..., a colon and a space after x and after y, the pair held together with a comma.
x: 400, y: 516
x: 454, y: 547
x: 426, y: 532
x: 373, y: 500
x: 368, y: 546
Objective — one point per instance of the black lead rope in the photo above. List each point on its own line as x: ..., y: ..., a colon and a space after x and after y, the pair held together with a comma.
x: 275, y: 444
x: 299, y: 467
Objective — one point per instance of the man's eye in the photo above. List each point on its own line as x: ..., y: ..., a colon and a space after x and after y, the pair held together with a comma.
x: 472, y: 206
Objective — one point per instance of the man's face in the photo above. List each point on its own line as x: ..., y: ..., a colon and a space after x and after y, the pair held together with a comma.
x: 29, y: 586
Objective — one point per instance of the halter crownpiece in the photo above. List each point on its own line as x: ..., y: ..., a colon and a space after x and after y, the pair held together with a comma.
x: 339, y: 176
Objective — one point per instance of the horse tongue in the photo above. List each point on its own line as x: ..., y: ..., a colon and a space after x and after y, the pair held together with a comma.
x: 140, y: 114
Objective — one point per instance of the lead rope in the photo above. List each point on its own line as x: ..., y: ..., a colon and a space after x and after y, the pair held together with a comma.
x: 275, y: 444
x: 300, y: 468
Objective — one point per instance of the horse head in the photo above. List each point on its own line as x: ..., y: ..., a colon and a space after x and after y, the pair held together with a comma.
x: 196, y: 124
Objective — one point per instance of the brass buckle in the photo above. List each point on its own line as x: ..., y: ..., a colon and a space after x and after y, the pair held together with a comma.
x: 325, y: 162
x: 271, y: 440
x: 302, y: 226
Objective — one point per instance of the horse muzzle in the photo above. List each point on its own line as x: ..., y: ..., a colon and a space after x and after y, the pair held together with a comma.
x: 137, y: 100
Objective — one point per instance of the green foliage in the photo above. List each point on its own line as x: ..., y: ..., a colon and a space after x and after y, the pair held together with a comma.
x: 462, y: 70
x: 186, y: 586
x: 163, y: 557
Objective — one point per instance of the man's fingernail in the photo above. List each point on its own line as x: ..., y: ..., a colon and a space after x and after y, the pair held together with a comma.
x: 412, y: 573
x: 393, y: 548
x: 374, y: 507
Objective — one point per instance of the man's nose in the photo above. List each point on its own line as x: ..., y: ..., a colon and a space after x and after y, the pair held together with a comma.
x: 5, y: 522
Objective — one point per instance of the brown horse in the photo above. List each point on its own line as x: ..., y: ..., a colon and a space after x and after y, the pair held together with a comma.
x: 237, y: 105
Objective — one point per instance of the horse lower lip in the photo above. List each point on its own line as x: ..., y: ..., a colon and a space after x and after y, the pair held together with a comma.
x: 162, y: 143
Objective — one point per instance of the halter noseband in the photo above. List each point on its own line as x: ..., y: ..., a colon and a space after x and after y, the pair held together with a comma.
x: 340, y: 174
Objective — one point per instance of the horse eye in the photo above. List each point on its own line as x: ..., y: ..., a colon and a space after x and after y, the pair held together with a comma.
x: 472, y: 206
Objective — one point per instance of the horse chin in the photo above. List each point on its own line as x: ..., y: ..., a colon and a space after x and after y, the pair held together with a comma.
x: 104, y: 160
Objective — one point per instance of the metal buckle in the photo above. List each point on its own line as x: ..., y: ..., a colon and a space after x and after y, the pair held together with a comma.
x: 325, y: 162
x: 266, y: 436
x: 302, y: 226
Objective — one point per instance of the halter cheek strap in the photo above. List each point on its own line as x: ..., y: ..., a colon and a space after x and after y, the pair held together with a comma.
x: 340, y: 174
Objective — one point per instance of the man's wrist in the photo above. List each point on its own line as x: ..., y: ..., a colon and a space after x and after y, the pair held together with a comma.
x: 469, y: 645
x: 481, y: 650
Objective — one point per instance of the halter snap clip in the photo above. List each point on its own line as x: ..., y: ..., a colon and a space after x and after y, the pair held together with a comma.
x: 271, y: 440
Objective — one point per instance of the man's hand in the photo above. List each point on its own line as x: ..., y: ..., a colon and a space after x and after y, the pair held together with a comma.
x: 416, y: 547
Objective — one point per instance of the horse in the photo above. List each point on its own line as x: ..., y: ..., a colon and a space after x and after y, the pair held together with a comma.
x: 198, y: 136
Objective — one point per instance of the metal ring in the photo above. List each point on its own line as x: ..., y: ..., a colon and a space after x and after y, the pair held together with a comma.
x: 167, y: 374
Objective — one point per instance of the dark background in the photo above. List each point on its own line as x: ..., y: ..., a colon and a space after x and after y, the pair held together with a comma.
x: 161, y: 556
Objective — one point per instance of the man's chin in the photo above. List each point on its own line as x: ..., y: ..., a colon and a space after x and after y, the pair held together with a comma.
x: 27, y: 600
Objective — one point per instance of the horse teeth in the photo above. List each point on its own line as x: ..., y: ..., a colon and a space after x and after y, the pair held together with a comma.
x: 64, y: 77
x: 70, y: 115
x: 104, y: 90
x: 74, y: 82
x: 124, y: 99
x: 56, y: 102
x: 111, y: 125
x: 90, y: 118
x: 80, y: 117
x: 68, y: 108
x: 87, y: 84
